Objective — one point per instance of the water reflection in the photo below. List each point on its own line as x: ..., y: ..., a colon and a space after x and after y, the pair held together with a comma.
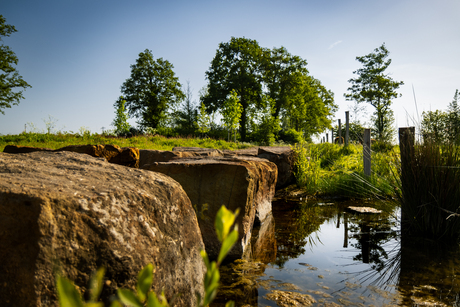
x: 341, y: 257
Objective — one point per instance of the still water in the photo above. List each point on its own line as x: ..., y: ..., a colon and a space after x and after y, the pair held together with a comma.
x: 323, y: 254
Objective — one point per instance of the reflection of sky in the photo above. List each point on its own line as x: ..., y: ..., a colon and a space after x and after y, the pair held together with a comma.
x: 327, y: 263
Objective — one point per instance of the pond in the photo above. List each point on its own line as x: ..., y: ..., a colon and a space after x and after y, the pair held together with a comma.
x: 323, y: 254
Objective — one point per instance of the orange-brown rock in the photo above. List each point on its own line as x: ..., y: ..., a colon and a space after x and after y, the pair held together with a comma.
x: 245, y: 183
x: 200, y: 152
x: 127, y: 156
x: 284, y: 159
x: 76, y: 213
x: 147, y: 156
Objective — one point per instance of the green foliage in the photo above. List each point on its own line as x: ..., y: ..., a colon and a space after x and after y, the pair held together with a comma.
x: 186, y: 116
x: 236, y: 66
x: 442, y: 127
x: 9, y: 77
x: 203, y: 120
x: 331, y: 169
x: 231, y: 112
x: 69, y: 296
x: 375, y: 87
x: 121, y: 118
x: 297, y: 100
x: 290, y: 136
x: 151, y: 89
x: 269, y: 125
x: 84, y: 137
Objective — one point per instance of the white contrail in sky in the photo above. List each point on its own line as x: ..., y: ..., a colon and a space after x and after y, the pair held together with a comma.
x: 334, y: 44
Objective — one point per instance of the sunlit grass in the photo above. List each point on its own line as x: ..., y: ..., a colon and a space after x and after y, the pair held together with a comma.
x: 157, y: 142
x: 331, y: 169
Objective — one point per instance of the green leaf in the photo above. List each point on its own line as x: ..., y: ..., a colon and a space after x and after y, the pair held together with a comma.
x: 230, y: 304
x: 68, y: 294
x: 224, y: 220
x: 95, y: 284
x: 127, y: 297
x: 153, y: 301
x: 144, y: 281
x: 205, y: 257
x: 116, y: 304
x: 228, y: 244
x: 94, y: 304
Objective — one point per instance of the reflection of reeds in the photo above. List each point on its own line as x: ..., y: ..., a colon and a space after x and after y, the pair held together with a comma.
x: 430, y: 192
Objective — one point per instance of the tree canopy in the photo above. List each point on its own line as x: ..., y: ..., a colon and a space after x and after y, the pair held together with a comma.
x: 375, y: 87
x: 151, y: 89
x: 10, y: 80
x: 236, y: 66
x: 273, y: 87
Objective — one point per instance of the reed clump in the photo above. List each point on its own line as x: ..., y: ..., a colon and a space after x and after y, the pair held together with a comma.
x: 430, y: 191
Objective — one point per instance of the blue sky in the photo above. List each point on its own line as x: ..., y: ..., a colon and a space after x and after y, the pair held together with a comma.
x: 77, y: 54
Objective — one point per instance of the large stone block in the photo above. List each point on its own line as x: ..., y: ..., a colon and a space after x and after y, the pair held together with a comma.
x: 74, y: 213
x: 245, y: 183
x: 284, y: 158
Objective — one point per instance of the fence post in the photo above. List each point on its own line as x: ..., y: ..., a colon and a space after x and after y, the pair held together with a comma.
x: 332, y: 135
x: 327, y: 137
x: 347, y: 127
x: 340, y: 132
x: 367, y: 152
x: 407, y: 150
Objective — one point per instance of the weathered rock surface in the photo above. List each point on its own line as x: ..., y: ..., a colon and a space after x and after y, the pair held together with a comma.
x: 75, y: 213
x: 236, y: 182
x: 147, y: 156
x: 127, y: 156
x: 284, y: 159
x: 201, y: 152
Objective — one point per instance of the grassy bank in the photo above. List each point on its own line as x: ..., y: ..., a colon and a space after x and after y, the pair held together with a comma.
x: 334, y: 170
x: 59, y: 140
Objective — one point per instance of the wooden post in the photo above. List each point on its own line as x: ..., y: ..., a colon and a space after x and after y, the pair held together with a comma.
x: 332, y: 135
x: 340, y: 132
x: 327, y: 138
x: 347, y: 127
x: 407, y: 150
x: 367, y: 152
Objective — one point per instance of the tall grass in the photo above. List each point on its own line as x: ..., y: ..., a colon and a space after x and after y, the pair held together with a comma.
x: 430, y: 192
x: 59, y: 140
x: 331, y: 169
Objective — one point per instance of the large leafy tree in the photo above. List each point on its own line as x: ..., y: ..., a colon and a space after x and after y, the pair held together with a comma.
x: 236, y: 66
x: 311, y: 110
x: 283, y: 75
x: 375, y: 87
x: 151, y: 89
x: 10, y: 80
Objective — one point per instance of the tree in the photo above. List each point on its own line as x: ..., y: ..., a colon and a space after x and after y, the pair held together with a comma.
x: 186, y: 115
x: 151, y: 89
x: 203, y: 120
x: 283, y: 74
x: 433, y: 126
x: 231, y: 112
x: 311, y: 110
x: 121, y: 118
x: 236, y: 66
x: 375, y: 87
x: 9, y: 76
x: 453, y: 119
